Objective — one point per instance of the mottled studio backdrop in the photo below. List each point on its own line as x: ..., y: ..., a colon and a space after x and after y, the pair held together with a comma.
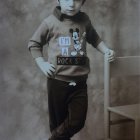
x: 23, y: 94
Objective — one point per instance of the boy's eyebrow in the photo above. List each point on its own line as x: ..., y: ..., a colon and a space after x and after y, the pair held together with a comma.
x: 82, y: 3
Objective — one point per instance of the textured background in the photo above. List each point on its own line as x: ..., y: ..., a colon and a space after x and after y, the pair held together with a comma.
x: 23, y: 94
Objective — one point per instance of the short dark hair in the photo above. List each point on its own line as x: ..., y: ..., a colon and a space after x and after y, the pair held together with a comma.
x: 83, y: 1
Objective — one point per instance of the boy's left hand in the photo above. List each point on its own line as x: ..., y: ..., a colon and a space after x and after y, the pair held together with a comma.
x: 110, y: 55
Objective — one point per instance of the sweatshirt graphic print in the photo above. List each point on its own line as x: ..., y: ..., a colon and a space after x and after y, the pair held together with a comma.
x: 72, y: 49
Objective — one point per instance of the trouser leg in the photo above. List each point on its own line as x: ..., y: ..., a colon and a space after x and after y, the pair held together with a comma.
x: 69, y: 112
x: 56, y: 102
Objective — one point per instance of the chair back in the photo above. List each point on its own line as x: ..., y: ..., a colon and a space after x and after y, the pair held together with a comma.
x: 122, y: 66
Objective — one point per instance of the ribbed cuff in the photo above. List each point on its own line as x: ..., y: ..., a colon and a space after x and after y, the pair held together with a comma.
x: 36, y: 52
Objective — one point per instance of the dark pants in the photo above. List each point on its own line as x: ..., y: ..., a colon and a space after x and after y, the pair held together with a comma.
x: 67, y: 108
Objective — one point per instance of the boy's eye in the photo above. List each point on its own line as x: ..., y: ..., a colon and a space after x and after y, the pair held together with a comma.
x: 73, y: 0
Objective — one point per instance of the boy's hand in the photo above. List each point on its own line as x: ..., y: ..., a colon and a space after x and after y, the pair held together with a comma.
x: 110, y: 54
x: 47, y: 68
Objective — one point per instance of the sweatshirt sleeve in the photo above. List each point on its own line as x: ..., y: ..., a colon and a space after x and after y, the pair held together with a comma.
x: 38, y: 40
x: 91, y: 35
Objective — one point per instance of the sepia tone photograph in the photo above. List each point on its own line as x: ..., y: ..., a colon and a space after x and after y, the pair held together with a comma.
x: 70, y: 70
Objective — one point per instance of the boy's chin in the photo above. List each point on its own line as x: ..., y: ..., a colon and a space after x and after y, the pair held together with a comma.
x: 71, y: 14
x: 68, y: 13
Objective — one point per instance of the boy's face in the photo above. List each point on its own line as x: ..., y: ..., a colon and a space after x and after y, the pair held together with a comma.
x: 70, y: 7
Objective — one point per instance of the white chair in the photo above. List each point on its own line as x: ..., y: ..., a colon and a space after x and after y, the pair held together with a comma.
x: 123, y: 66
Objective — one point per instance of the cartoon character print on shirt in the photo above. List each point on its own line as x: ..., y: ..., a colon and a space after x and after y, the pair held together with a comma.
x: 77, y: 42
x: 71, y: 47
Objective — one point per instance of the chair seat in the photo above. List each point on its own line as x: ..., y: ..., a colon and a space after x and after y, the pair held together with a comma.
x: 129, y: 111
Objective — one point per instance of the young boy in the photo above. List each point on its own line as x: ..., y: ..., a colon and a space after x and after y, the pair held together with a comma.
x: 66, y: 32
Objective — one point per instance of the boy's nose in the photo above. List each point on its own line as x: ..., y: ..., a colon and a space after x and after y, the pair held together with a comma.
x: 71, y: 3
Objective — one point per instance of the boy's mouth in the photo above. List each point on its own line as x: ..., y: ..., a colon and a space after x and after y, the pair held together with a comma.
x: 71, y: 11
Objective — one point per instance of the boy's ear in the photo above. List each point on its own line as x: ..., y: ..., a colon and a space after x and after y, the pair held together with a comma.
x: 71, y: 30
x: 77, y: 30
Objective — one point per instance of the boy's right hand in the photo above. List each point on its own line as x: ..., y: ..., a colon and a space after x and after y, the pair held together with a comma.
x: 47, y: 68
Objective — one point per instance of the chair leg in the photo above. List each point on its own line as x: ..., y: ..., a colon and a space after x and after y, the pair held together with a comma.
x: 137, y: 129
x: 109, y: 130
x: 107, y: 125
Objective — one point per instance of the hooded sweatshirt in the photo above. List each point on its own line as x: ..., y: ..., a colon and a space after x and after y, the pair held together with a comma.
x: 66, y: 37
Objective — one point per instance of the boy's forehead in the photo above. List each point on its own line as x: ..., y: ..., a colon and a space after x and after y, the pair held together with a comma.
x: 73, y: 0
